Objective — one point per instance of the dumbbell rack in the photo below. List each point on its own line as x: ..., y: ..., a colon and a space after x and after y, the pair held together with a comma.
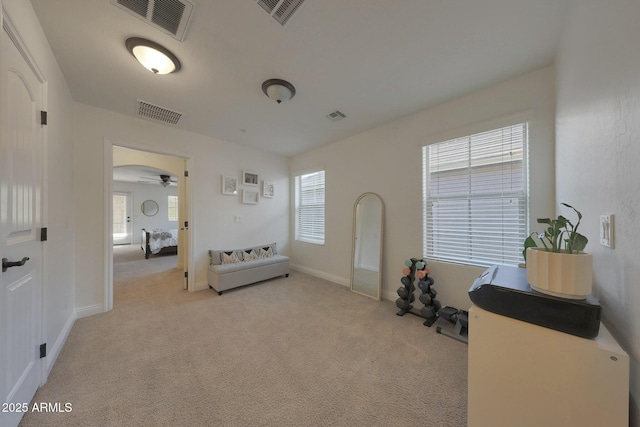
x: 418, y: 268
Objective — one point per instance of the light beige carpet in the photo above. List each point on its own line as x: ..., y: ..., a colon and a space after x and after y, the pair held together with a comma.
x: 297, y: 351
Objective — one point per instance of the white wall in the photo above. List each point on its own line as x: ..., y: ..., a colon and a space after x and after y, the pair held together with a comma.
x: 387, y: 161
x: 59, y: 261
x: 598, y: 155
x: 212, y: 225
x: 142, y: 192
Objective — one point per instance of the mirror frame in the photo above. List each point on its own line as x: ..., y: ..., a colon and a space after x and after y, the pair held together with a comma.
x: 147, y: 205
x: 353, y: 245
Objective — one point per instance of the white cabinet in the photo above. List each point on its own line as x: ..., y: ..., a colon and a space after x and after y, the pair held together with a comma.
x: 522, y: 375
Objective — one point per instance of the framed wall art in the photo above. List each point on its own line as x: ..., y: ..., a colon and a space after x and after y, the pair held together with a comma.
x: 250, y: 197
x: 268, y: 189
x: 229, y: 185
x: 250, y: 178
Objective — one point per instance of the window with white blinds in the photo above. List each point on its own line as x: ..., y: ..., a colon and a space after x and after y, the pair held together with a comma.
x: 309, y: 199
x: 475, y: 197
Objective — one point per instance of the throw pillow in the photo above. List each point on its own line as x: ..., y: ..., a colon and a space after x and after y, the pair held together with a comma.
x: 266, y: 252
x: 215, y: 258
x: 230, y: 257
x: 250, y: 254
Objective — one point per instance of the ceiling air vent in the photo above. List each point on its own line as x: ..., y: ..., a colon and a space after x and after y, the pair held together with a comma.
x: 155, y: 112
x: 281, y: 10
x: 336, y: 116
x: 169, y: 16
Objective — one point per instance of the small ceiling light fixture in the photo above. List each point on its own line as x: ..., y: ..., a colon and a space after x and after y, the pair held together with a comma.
x: 278, y: 90
x: 154, y: 57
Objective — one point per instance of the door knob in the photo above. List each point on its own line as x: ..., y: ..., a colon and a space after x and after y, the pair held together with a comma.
x: 6, y: 264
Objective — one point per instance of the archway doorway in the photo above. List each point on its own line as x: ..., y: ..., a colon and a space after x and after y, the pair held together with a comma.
x: 118, y: 155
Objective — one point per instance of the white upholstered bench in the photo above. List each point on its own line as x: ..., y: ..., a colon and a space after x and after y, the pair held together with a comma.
x: 233, y: 268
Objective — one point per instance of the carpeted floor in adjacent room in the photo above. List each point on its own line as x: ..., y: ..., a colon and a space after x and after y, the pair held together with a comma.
x: 297, y: 351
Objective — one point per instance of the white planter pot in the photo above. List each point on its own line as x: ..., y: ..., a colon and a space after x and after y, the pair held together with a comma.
x: 559, y: 274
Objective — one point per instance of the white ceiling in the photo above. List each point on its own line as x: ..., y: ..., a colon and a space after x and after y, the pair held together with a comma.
x: 373, y: 60
x: 141, y: 175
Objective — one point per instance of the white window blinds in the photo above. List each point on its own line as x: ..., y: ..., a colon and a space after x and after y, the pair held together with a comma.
x: 309, y: 226
x: 475, y: 198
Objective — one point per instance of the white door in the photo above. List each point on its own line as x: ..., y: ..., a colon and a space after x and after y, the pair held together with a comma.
x: 21, y: 147
x: 122, y: 218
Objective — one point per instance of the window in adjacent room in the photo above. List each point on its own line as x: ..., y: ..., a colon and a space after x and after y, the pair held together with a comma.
x: 475, y: 197
x: 173, y: 208
x: 309, y: 205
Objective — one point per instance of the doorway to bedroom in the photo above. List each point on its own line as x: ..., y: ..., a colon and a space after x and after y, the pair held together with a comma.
x: 149, y: 223
x: 146, y: 208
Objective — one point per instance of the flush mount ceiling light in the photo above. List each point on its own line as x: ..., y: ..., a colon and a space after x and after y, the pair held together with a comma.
x: 154, y: 57
x: 278, y: 90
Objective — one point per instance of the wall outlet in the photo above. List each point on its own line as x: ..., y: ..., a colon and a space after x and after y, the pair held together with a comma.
x: 238, y: 219
x: 606, y: 230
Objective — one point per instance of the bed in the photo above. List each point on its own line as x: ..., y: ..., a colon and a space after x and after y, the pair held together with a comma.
x: 159, y: 241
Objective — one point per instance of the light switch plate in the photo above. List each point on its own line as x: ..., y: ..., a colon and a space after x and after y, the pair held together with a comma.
x: 606, y: 230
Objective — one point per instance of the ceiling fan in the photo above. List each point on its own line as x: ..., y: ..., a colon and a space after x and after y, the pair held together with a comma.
x: 164, y: 180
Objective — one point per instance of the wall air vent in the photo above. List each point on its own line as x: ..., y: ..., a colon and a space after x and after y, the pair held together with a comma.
x: 169, y: 16
x: 336, y: 116
x: 282, y: 11
x: 155, y: 112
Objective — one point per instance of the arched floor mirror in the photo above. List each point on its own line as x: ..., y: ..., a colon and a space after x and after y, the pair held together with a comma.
x: 368, y: 228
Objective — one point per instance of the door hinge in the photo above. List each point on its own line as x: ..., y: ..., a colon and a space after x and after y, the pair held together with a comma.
x: 43, y: 118
x: 43, y: 350
x: 186, y: 173
x: 43, y: 234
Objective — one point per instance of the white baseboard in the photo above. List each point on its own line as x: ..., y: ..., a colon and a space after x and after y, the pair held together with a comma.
x: 391, y: 295
x: 89, y: 310
x: 322, y: 275
x: 54, y: 351
x: 201, y: 286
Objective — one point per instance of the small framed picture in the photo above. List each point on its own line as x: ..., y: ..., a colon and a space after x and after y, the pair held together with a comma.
x: 267, y: 189
x: 250, y: 178
x: 229, y: 185
x: 250, y: 197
